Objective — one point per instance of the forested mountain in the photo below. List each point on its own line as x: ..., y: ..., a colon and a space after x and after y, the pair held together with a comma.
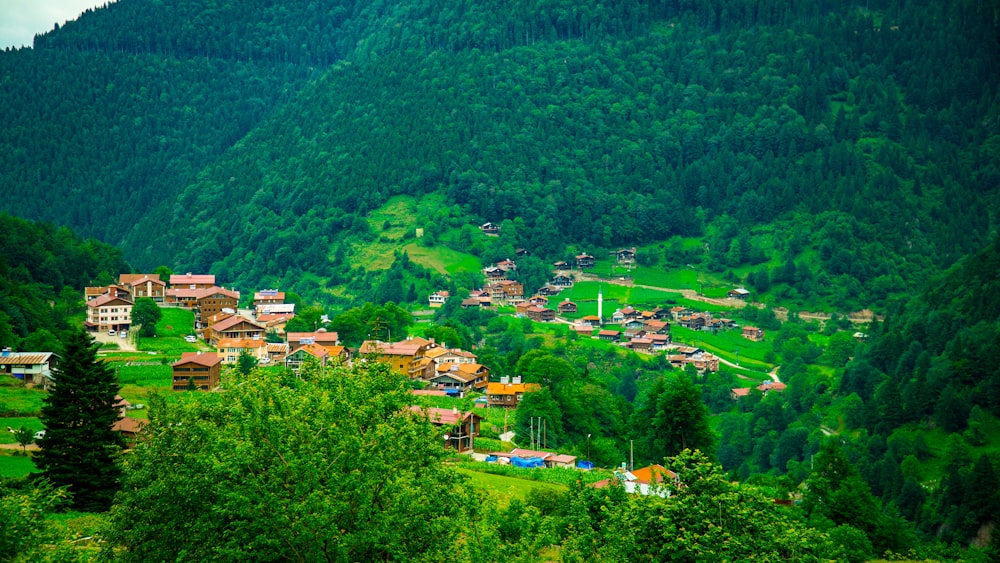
x: 245, y: 138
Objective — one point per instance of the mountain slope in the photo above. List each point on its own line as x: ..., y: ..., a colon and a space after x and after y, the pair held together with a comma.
x: 872, y: 133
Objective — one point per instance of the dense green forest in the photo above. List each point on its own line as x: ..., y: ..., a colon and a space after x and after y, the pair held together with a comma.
x: 43, y: 270
x: 837, y: 156
x: 855, y: 144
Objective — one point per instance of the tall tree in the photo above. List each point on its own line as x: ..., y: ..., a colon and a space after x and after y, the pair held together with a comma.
x: 80, y: 449
x: 146, y: 313
x: 330, y: 467
x: 671, y: 417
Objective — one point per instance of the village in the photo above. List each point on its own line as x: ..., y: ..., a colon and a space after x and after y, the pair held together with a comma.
x: 227, y: 333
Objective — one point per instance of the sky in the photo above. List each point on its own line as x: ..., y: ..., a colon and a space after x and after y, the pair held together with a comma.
x: 20, y: 20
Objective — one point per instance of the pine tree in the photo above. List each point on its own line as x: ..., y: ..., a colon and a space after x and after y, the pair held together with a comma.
x: 79, y: 449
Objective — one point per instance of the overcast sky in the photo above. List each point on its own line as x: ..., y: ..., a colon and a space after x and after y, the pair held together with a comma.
x: 20, y: 20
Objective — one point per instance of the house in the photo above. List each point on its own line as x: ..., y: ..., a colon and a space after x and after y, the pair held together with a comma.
x: 738, y: 392
x: 508, y: 395
x: 230, y: 349
x: 548, y: 290
x: 322, y: 337
x: 541, y: 314
x: 609, y: 335
x: 539, y: 300
x: 144, y: 285
x: 462, y: 377
x: 490, y: 229
x: 443, y: 355
x: 121, y: 291
x: 583, y: 329
x: 584, y: 261
x: 459, y: 428
x: 213, y: 300
x: 646, y: 481
x: 507, y: 265
x: 108, y: 312
x: 677, y: 312
x: 630, y: 313
x: 181, y: 296
x: 548, y: 458
x: 593, y: 320
x: 266, y: 297
x: 506, y: 291
x: 274, y: 309
x: 437, y: 299
x: 753, y: 333
x: 633, y: 325
x: 659, y: 341
x: 738, y: 293
x: 521, y: 252
x: 775, y: 386
x: 404, y: 357
x: 562, y: 280
x: 567, y: 306
x: 495, y: 274
x: 275, y: 322
x: 34, y: 368
x: 474, y: 303
x: 617, y: 317
x: 277, y: 351
x: 560, y: 265
x: 521, y: 309
x: 656, y: 327
x: 625, y: 255
x: 234, y: 327
x: 192, y: 281
x: 197, y: 371
x: 639, y: 344
x: 301, y: 355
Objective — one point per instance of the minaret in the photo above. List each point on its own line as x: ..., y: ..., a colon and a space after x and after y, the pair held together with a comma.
x: 600, y: 306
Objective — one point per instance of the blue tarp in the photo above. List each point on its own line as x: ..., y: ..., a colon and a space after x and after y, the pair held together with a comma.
x: 452, y: 391
x: 491, y: 458
x: 527, y: 462
x: 585, y: 464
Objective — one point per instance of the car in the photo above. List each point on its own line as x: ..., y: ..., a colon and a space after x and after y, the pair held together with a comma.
x: 111, y: 332
x: 191, y: 338
x: 124, y: 334
x: 39, y: 435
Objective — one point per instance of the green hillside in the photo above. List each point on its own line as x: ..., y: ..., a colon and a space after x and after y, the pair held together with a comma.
x: 791, y: 139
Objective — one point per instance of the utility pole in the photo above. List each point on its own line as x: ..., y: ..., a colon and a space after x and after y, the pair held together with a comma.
x: 631, y: 456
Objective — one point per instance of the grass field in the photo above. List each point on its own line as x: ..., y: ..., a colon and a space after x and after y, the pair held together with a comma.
x: 441, y: 259
x: 30, y: 422
x: 175, y: 322
x: 16, y: 399
x: 505, y: 487
x: 15, y: 465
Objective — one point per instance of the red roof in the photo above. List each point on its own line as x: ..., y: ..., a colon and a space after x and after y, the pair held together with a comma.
x: 207, y: 359
x: 198, y: 279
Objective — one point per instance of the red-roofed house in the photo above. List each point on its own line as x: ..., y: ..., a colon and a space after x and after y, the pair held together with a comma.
x: 192, y: 281
x: 197, y: 371
x: 144, y: 285
x: 753, y: 333
x: 235, y: 327
x: 459, y: 428
x: 108, y: 312
x: 437, y: 299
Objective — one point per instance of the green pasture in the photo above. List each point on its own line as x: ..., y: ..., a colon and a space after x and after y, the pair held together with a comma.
x: 16, y: 422
x: 16, y: 398
x: 725, y: 343
x: 441, y: 259
x: 15, y: 465
x: 175, y: 322
x: 506, y: 487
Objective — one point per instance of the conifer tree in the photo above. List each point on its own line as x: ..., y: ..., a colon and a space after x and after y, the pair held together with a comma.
x: 79, y: 449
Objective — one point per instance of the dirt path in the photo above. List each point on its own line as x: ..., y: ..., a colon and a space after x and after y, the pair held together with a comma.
x: 863, y: 316
x: 30, y: 448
